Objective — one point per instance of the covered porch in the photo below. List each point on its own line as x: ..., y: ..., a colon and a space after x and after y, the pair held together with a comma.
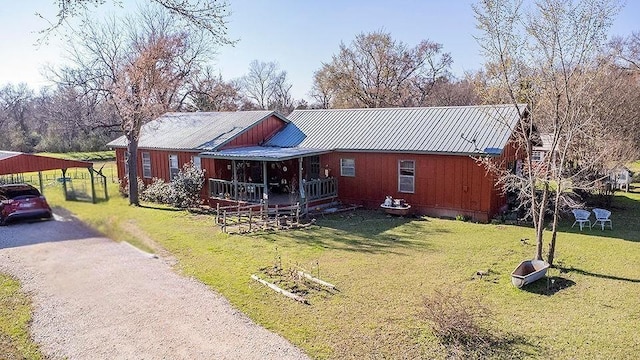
x: 272, y: 175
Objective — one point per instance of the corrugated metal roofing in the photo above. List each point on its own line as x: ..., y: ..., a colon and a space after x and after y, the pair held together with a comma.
x: 8, y: 154
x: 457, y: 129
x: 196, y: 130
x: 263, y: 153
x: 16, y: 163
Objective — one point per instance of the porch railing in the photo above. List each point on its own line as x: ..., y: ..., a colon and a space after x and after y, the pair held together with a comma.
x: 321, y: 189
x: 253, y: 192
x: 244, y: 191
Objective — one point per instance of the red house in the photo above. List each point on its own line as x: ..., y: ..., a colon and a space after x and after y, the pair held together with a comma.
x: 359, y: 156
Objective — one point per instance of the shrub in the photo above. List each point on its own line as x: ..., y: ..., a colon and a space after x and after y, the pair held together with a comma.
x: 182, y: 192
x: 156, y: 192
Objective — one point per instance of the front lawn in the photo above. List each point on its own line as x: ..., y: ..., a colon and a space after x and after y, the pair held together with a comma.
x: 385, y: 266
x: 15, y: 316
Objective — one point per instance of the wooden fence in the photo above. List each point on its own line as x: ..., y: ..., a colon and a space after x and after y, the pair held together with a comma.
x: 257, y: 217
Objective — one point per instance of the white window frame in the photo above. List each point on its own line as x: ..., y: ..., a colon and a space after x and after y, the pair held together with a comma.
x: 146, y: 165
x: 197, y: 162
x: 348, y: 167
x: 174, y: 166
x: 537, y: 155
x: 404, y: 178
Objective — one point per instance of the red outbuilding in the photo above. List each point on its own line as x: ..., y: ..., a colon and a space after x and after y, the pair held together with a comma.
x: 426, y: 156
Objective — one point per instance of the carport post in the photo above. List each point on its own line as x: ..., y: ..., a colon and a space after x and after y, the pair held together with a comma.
x: 93, y: 186
x: 64, y: 183
x: 40, y: 179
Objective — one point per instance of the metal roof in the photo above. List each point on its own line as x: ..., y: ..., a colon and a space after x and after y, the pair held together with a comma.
x: 196, y: 130
x: 263, y: 153
x: 17, y: 163
x: 8, y: 154
x: 458, y: 129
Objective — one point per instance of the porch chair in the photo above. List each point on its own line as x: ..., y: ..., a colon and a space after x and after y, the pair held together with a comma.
x: 582, y: 217
x: 602, y: 217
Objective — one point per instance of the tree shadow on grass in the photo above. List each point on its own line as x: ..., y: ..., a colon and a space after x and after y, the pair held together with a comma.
x: 362, y: 231
x: 549, y: 286
x: 602, y: 276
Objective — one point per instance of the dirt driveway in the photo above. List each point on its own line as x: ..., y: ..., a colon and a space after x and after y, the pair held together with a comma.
x: 95, y: 298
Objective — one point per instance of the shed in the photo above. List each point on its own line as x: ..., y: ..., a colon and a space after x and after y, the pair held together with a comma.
x: 12, y: 163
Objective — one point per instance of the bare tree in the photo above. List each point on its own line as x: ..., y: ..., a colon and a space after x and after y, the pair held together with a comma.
x: 266, y: 84
x: 141, y: 66
x: 377, y: 71
x: 206, y: 15
x: 550, y: 57
x: 211, y: 93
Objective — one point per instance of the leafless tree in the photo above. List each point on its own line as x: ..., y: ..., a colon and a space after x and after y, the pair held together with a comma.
x: 549, y: 55
x: 377, y: 71
x: 266, y: 85
x: 212, y: 93
x: 207, y: 15
x: 141, y: 65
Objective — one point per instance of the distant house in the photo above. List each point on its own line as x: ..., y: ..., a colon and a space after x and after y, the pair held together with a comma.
x: 542, y: 148
x: 359, y: 156
x: 621, y: 178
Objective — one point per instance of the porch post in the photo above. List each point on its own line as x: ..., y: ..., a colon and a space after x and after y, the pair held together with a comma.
x: 303, y: 196
x: 235, y: 180
x: 265, y: 181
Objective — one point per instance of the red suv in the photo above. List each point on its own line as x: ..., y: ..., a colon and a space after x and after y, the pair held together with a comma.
x: 22, y: 201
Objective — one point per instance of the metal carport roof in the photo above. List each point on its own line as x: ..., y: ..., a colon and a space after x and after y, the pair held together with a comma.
x: 15, y: 163
x: 12, y: 162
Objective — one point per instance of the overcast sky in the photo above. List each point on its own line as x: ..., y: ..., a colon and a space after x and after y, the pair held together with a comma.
x: 299, y: 35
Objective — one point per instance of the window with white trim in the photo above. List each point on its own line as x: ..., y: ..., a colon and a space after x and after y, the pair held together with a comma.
x: 536, y: 156
x: 197, y: 162
x: 146, y: 165
x: 406, y: 176
x: 347, y: 167
x: 173, y: 166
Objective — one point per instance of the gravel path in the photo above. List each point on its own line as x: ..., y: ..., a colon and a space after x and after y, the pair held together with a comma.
x: 95, y: 298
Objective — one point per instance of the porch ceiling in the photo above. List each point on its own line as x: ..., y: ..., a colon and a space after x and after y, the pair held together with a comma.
x: 263, y: 153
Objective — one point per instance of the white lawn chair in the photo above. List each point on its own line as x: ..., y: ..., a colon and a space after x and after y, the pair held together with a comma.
x: 602, y: 217
x: 582, y: 217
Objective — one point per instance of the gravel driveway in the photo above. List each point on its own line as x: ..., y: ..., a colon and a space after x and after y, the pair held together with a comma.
x: 95, y: 298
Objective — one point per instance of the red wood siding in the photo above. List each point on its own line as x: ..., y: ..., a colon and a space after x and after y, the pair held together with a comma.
x: 160, y: 165
x: 257, y: 134
x: 445, y: 185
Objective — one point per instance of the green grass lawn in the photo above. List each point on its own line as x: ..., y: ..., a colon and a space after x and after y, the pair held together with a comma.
x: 106, y: 155
x: 385, y: 266
x: 15, y: 315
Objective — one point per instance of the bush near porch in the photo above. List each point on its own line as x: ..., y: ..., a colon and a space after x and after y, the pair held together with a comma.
x: 384, y: 268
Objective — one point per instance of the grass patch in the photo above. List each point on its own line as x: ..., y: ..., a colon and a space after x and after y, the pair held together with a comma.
x: 384, y: 268
x: 15, y: 316
x: 107, y: 155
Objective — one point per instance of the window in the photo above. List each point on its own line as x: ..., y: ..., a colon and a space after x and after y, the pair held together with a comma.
x: 146, y: 165
x: 536, y: 156
x: 406, y: 176
x: 126, y: 163
x: 347, y: 167
x: 173, y: 166
x: 197, y: 162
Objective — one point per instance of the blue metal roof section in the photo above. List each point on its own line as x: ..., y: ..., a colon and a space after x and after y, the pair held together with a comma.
x: 290, y: 136
x: 263, y: 153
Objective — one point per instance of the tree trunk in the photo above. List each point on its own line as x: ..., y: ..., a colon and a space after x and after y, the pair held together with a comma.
x: 542, y: 206
x: 133, y: 171
x: 554, y: 230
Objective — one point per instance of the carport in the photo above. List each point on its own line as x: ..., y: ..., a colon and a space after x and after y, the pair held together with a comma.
x: 12, y: 163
